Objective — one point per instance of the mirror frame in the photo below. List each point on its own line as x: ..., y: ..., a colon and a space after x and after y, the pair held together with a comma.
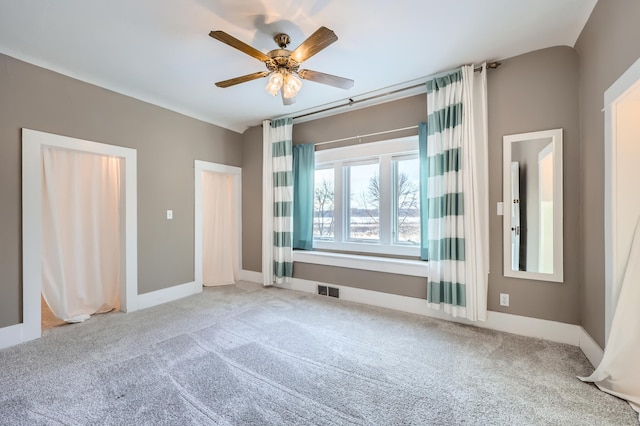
x: 555, y: 135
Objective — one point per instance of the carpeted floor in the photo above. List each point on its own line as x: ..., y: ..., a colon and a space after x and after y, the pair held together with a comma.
x: 245, y: 355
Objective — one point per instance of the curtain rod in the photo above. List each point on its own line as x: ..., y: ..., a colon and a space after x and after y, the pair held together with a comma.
x: 490, y: 66
x: 367, y: 135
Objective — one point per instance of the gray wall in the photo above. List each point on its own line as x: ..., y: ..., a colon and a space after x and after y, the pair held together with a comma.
x: 167, y: 143
x: 607, y: 47
x: 252, y: 199
x: 536, y: 91
x: 531, y: 92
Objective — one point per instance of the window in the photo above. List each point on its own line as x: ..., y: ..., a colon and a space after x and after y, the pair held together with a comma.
x: 363, y: 200
x: 323, y: 204
x: 367, y: 198
x: 407, y: 200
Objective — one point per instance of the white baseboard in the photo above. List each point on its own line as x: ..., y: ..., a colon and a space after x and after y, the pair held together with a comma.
x: 158, y: 297
x: 590, y: 348
x: 11, y: 335
x: 515, y: 324
x: 525, y: 326
x: 251, y: 276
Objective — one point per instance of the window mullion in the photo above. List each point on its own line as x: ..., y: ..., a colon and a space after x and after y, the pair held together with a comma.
x: 338, y: 205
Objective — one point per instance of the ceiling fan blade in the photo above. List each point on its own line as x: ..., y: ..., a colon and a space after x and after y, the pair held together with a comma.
x: 286, y: 101
x: 241, y: 46
x: 317, y: 41
x: 331, y: 80
x: 242, y: 79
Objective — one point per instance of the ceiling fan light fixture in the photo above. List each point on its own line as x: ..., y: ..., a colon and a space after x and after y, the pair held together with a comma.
x: 275, y: 83
x: 291, y: 86
x: 284, y: 65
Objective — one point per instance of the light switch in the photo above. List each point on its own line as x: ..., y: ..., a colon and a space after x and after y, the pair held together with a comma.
x: 500, y: 208
x: 169, y: 214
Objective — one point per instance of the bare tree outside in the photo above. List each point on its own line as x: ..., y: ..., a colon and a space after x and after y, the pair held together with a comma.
x: 408, y: 199
x: 408, y: 205
x: 323, y: 209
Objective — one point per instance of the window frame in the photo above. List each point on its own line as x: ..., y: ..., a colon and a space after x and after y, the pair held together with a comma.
x: 340, y: 159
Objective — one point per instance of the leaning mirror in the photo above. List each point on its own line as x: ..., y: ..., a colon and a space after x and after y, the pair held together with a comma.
x: 532, y: 199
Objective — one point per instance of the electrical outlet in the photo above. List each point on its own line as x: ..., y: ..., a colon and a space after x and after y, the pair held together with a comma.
x: 169, y: 214
x: 504, y: 299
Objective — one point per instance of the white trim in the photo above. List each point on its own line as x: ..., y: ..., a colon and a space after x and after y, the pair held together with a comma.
x: 515, y: 324
x: 251, y: 276
x: 624, y: 85
x: 589, y: 347
x: 397, y: 146
x: 369, y: 247
x: 236, y: 174
x: 169, y: 294
x: 11, y: 335
x: 32, y: 143
x: 416, y: 268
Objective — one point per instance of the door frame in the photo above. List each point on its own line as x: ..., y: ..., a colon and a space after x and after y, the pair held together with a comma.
x: 626, y: 84
x: 236, y: 175
x: 32, y: 143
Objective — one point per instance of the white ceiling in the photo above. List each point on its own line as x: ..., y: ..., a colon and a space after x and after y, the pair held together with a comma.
x: 159, y: 51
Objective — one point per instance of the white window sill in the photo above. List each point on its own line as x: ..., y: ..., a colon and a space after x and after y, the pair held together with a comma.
x: 416, y: 268
x: 369, y: 249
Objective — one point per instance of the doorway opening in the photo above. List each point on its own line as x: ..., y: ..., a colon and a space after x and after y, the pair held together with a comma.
x: 622, y: 204
x: 81, y: 234
x: 33, y: 143
x: 228, y: 181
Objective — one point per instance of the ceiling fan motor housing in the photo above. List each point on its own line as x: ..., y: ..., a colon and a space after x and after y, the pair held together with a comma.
x: 281, y: 59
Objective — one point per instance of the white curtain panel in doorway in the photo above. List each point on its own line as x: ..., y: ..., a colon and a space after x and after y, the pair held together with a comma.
x: 219, y: 242
x: 619, y: 370
x: 81, y: 249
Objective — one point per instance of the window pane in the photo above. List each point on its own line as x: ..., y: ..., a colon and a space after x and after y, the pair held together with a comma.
x: 364, y: 202
x: 323, y: 204
x: 407, y: 201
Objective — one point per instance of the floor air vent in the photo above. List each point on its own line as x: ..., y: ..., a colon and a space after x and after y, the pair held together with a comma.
x: 328, y: 291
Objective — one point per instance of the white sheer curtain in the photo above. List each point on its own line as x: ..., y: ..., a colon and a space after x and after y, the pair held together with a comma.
x: 619, y: 370
x: 219, y: 242
x: 475, y: 158
x: 80, y: 233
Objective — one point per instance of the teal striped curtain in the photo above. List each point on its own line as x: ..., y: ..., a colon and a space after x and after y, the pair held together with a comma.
x: 282, y: 172
x: 303, y: 172
x: 443, y: 232
x: 454, y: 193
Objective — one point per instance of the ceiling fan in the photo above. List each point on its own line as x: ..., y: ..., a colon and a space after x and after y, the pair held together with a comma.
x: 283, y: 65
